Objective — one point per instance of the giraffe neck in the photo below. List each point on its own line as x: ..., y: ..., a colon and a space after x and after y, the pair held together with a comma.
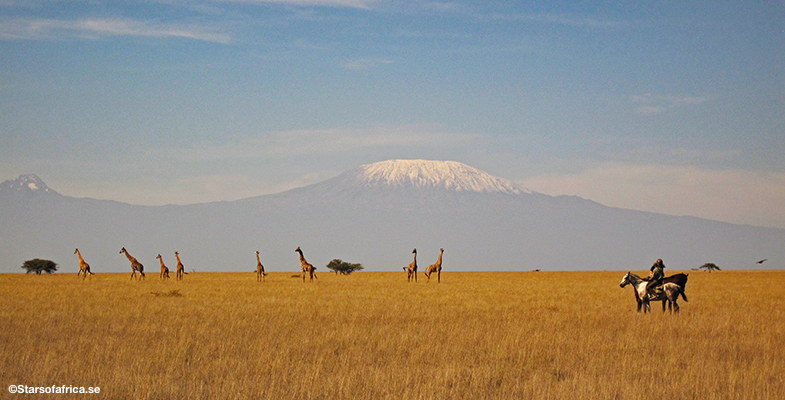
x: 302, y: 259
x: 178, y: 258
x: 439, y: 261
x: 162, y: 262
x: 131, y: 259
x: 258, y: 261
x: 78, y: 253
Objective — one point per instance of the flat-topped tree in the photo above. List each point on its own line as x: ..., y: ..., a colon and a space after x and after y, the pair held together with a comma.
x: 710, y: 267
x: 342, y: 267
x: 38, y: 265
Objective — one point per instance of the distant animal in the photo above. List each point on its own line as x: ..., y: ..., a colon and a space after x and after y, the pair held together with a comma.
x: 670, y: 291
x: 83, y: 266
x: 164, y: 268
x: 436, y: 267
x: 411, y: 270
x: 180, y: 267
x: 761, y: 261
x: 260, y: 274
x: 305, y: 266
x: 135, y: 265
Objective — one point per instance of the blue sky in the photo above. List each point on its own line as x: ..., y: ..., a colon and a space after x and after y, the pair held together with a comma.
x: 672, y: 107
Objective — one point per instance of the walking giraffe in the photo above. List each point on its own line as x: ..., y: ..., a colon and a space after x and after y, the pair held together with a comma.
x: 83, y: 266
x: 180, y: 267
x: 437, y: 267
x: 306, y: 267
x: 412, y: 268
x: 260, y: 274
x: 164, y: 268
x: 135, y: 265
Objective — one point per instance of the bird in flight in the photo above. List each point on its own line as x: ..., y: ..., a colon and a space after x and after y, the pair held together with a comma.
x: 761, y: 261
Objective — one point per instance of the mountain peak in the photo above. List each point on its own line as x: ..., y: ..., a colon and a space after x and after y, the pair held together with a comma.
x: 450, y: 175
x: 29, y: 183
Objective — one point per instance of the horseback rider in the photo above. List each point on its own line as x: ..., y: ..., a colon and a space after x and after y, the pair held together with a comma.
x: 655, y: 277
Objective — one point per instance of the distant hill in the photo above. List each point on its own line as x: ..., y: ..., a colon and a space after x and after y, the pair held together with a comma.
x: 374, y: 215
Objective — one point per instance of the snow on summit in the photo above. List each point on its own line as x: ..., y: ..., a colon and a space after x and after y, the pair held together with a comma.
x: 450, y: 175
x: 27, y: 183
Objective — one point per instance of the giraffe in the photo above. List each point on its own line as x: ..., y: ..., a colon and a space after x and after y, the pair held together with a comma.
x: 437, y: 267
x: 180, y: 267
x: 412, y: 268
x: 83, y: 266
x: 135, y: 265
x: 306, y: 267
x: 260, y: 274
x: 164, y: 268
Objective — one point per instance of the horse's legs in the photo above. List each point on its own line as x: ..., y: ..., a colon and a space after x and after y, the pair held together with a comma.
x: 663, y: 306
x: 640, y: 303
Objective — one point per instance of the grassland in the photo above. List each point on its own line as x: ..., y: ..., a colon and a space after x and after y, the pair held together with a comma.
x: 372, y: 335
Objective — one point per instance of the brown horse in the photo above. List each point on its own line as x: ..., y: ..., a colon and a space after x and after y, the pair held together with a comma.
x: 671, y: 289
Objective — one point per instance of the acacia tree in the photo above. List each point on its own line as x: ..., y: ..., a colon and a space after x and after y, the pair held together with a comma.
x: 38, y: 265
x: 709, y: 267
x: 342, y: 267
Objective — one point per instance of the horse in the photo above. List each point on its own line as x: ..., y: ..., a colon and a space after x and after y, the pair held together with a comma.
x: 672, y: 287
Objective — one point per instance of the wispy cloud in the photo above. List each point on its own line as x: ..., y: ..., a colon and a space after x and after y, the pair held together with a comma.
x: 364, y: 64
x: 653, y: 104
x: 97, y: 28
x: 295, y: 143
x: 577, y: 21
x: 365, y: 4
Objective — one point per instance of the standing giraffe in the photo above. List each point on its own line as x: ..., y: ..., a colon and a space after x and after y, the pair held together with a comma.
x: 83, y: 266
x: 306, y: 267
x: 437, y: 267
x: 260, y: 274
x: 180, y: 267
x: 412, y: 268
x: 135, y: 265
x: 164, y: 268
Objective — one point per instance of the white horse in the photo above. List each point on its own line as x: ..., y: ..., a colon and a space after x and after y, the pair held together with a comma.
x: 670, y: 292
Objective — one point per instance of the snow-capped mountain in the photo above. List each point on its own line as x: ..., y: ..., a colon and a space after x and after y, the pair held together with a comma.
x: 449, y: 175
x: 29, y: 183
x: 375, y: 215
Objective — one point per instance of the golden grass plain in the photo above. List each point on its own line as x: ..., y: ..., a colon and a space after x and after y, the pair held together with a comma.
x: 371, y: 335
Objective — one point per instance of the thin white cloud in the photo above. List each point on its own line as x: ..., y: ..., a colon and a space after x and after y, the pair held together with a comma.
x: 656, y: 104
x: 97, y: 28
x: 731, y: 195
x: 364, y: 64
x: 294, y: 143
x: 365, y: 4
x: 577, y: 21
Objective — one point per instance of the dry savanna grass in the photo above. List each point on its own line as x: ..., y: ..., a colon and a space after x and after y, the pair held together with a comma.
x: 373, y: 335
